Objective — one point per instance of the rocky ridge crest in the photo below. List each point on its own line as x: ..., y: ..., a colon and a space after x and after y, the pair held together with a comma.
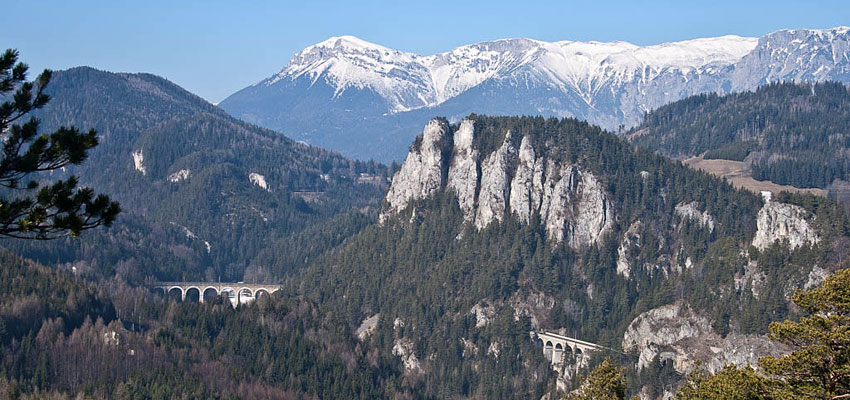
x: 572, y: 203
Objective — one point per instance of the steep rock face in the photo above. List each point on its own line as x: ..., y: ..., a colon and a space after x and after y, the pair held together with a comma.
x: 421, y: 173
x: 780, y: 221
x: 752, y: 277
x: 572, y: 203
x: 525, y: 187
x: 139, y: 161
x: 463, y: 173
x: 676, y: 333
x: 495, y: 184
x: 403, y: 348
x: 630, y: 238
x: 663, y: 326
x: 593, y: 216
x: 816, y: 277
x: 574, y: 206
x: 691, y: 211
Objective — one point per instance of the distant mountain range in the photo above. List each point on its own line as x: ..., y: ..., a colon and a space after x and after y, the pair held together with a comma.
x: 367, y: 100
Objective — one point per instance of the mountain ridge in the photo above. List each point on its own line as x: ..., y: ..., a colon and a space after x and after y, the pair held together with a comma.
x: 787, y: 133
x: 203, y: 193
x: 365, y: 99
x: 521, y: 52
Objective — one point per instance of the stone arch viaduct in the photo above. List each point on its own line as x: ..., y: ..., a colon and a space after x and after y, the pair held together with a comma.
x: 236, y: 292
x: 557, y: 347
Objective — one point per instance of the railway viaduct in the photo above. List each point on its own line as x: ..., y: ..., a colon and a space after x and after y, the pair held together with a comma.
x: 236, y: 292
x: 556, y: 347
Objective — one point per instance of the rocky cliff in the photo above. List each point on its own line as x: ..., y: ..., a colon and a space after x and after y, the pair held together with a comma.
x: 511, y: 180
x: 779, y: 221
x: 675, y: 333
x: 421, y: 173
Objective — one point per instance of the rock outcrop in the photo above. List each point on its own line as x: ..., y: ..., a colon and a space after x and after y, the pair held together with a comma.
x: 691, y: 211
x: 139, y: 161
x: 495, y: 184
x: 752, y: 277
x: 526, y: 185
x: 463, y: 172
x: 675, y: 333
x: 178, y: 176
x: 259, y: 180
x: 780, y: 221
x: 574, y: 207
x: 421, y: 173
x: 593, y: 216
x: 630, y: 238
x: 572, y: 203
x: 403, y: 348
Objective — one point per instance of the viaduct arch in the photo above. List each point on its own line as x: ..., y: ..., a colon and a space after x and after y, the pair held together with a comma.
x: 237, y: 292
x: 558, y: 348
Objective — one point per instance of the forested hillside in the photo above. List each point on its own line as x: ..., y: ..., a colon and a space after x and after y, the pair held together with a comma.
x: 453, y: 294
x: 203, y: 194
x: 788, y: 133
x: 60, y: 337
x: 493, y: 228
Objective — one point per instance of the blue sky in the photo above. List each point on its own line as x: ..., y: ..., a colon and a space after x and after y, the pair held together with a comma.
x: 214, y: 48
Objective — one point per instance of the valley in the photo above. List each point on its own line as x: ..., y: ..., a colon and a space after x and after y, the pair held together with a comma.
x: 507, y: 219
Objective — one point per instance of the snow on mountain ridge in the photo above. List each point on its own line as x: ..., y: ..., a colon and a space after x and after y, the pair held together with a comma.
x: 798, y: 55
x: 464, y: 67
x: 347, y: 61
x: 409, y: 81
x: 351, y: 95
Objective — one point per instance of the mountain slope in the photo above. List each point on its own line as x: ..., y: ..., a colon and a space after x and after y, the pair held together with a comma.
x: 791, y: 134
x: 202, y: 192
x: 358, y: 97
x: 497, y: 226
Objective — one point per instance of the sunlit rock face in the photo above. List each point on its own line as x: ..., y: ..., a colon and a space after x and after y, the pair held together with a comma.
x: 463, y: 173
x: 780, y: 221
x: 511, y: 180
x: 421, y: 173
x: 676, y: 333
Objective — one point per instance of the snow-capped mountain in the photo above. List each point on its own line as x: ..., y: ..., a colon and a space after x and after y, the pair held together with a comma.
x: 369, y: 101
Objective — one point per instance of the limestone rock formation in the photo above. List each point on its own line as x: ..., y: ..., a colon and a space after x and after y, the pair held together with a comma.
x: 676, y: 333
x: 593, y: 216
x: 691, y: 211
x: 463, y: 172
x: 525, y: 187
x: 495, y: 186
x: 780, y: 221
x: 573, y: 205
x: 403, y: 348
x: 630, y: 238
x: 421, y: 173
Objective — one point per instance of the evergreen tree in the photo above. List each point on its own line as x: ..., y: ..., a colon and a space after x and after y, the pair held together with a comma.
x: 730, y: 383
x: 29, y: 208
x: 819, y: 368
x: 606, y: 382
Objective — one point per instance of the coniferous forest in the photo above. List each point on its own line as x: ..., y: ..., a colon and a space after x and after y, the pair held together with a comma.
x: 789, y: 133
x: 434, y: 277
